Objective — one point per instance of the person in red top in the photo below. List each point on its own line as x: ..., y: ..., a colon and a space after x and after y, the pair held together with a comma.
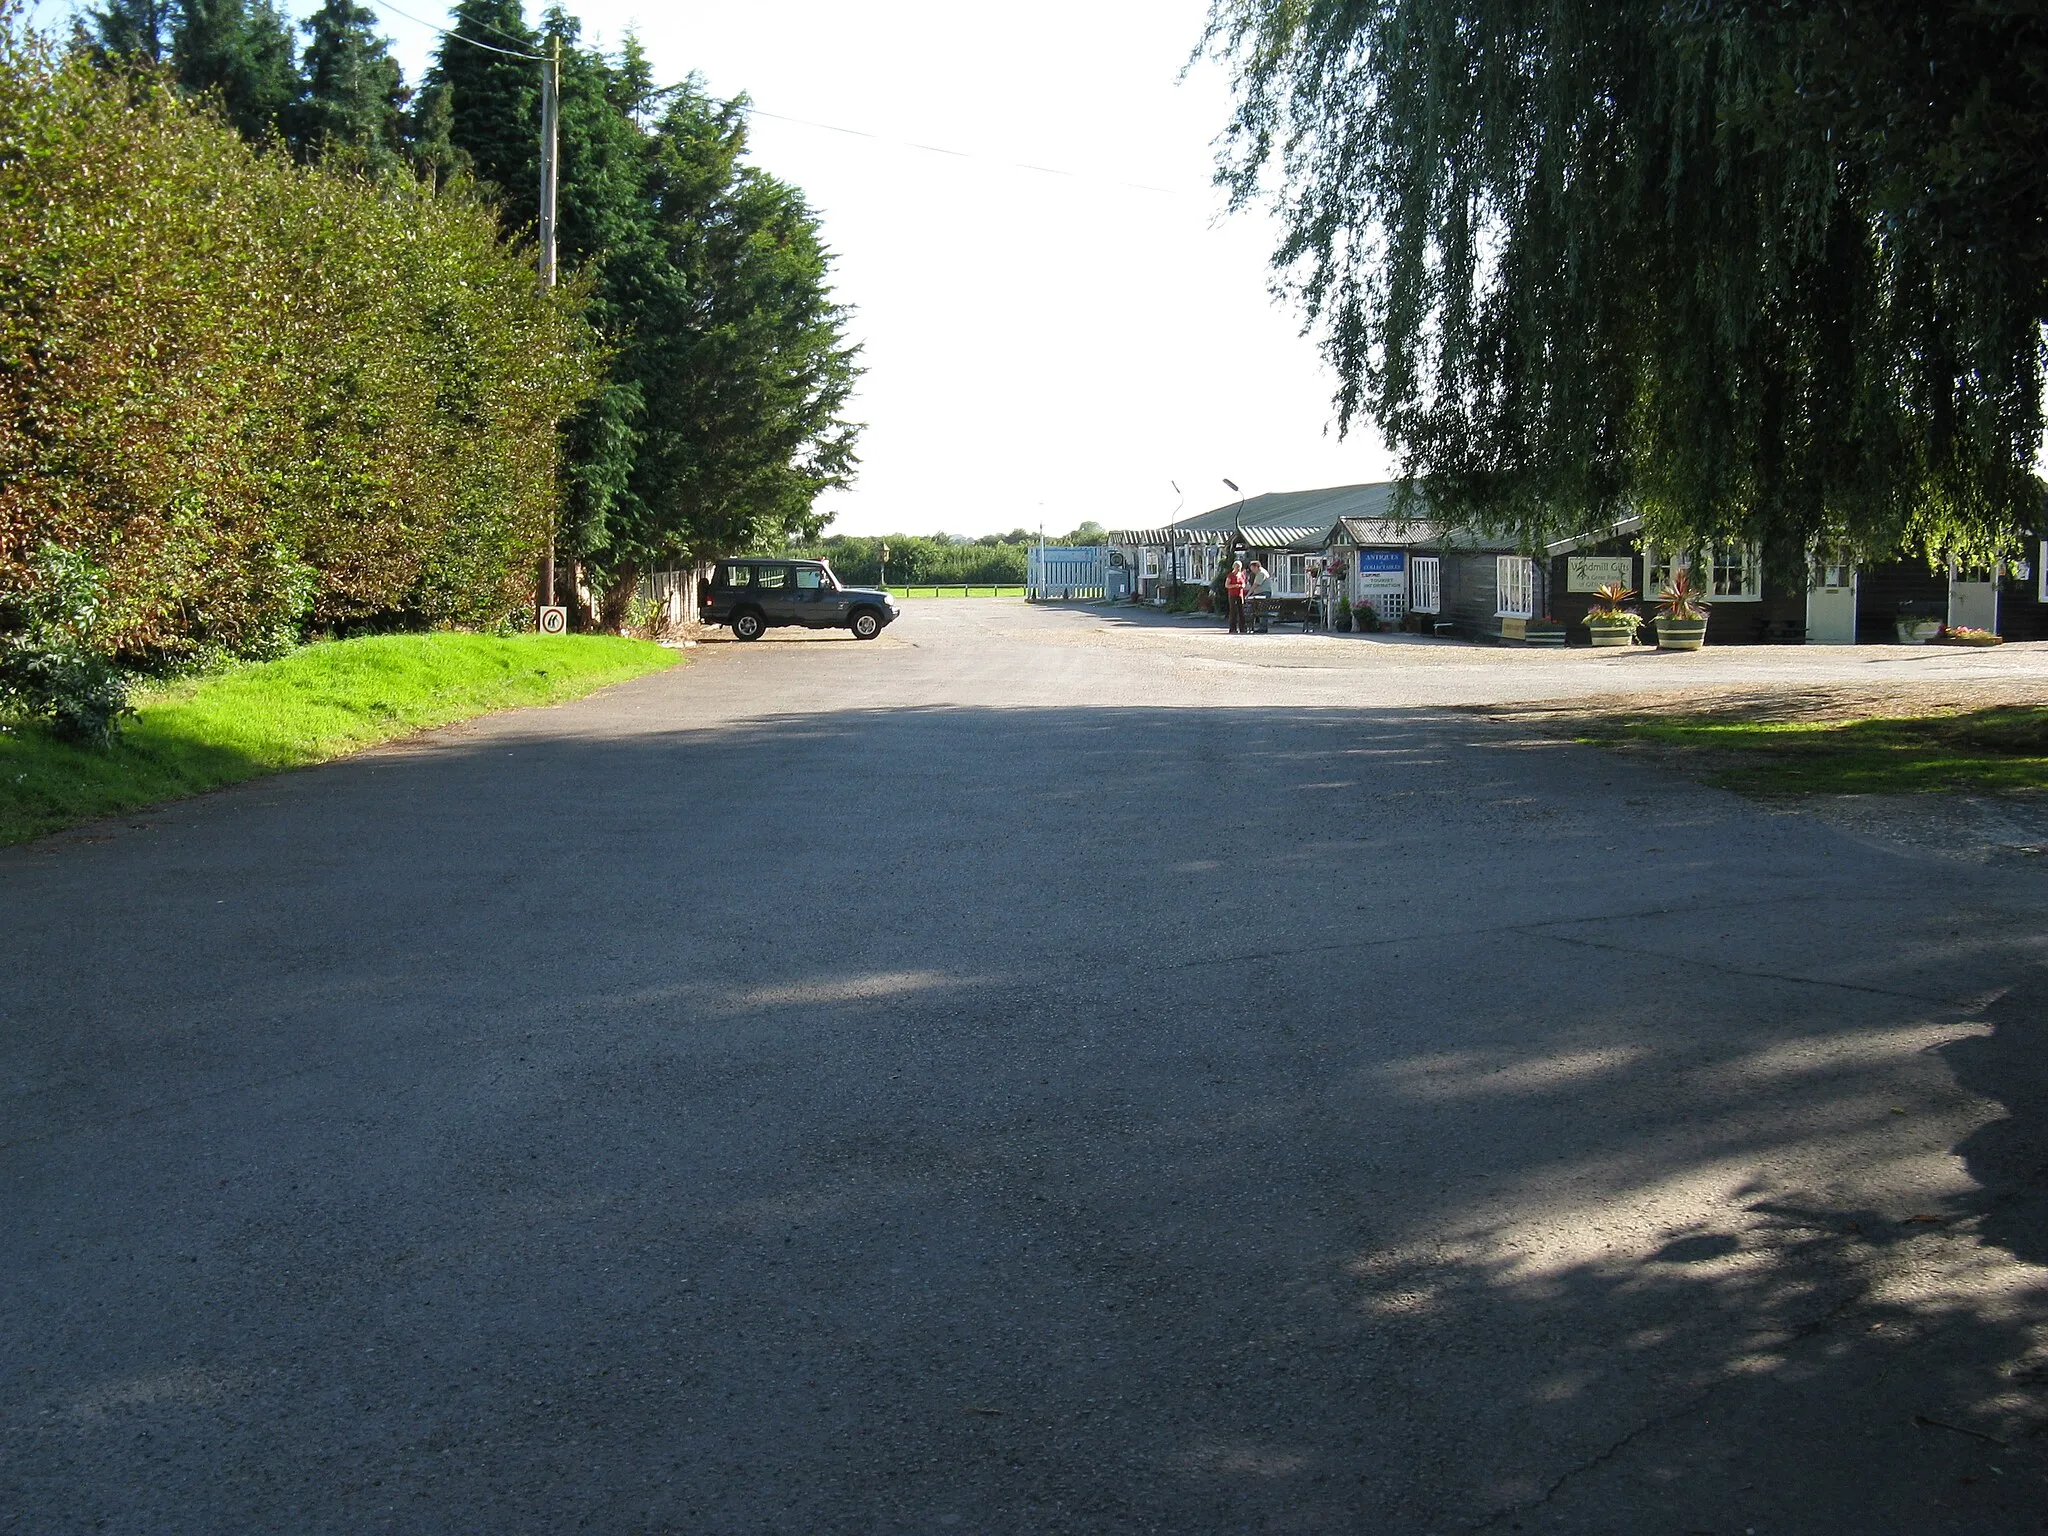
x: 1233, y: 591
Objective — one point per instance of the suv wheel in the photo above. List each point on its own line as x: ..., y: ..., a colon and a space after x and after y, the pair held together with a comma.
x: 747, y: 625
x: 866, y: 624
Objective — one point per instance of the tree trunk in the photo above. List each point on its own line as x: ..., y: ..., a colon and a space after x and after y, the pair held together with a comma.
x: 618, y: 600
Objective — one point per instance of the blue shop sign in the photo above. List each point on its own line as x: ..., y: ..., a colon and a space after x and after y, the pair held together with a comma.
x: 1379, y: 560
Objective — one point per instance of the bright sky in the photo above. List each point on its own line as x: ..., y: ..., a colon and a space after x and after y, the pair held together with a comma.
x: 1039, y: 348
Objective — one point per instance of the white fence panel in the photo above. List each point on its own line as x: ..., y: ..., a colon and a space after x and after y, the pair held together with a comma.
x: 1058, y: 571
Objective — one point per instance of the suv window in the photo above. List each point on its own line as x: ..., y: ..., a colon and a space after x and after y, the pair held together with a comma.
x: 735, y: 575
x: 771, y: 576
x: 810, y: 578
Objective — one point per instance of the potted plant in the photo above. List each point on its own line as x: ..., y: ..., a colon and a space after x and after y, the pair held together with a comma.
x: 1681, y: 614
x: 1919, y: 620
x: 1610, y: 621
x: 1343, y: 615
x: 1963, y: 634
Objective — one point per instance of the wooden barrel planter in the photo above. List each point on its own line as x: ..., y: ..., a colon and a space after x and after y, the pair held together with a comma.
x: 1610, y: 634
x: 1681, y: 634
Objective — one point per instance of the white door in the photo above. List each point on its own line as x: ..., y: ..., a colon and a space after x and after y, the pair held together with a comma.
x: 1831, y: 606
x: 1972, y: 599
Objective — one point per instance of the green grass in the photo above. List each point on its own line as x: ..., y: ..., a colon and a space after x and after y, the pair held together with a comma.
x: 318, y: 703
x: 956, y: 589
x: 2004, y: 748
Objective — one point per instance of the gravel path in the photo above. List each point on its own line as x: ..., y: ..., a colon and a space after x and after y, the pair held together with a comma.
x: 1041, y: 1071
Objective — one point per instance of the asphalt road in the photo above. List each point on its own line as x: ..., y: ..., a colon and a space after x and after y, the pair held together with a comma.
x: 1035, y: 1072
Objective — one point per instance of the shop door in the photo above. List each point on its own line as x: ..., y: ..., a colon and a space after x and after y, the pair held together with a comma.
x: 1831, y: 606
x: 1973, y: 599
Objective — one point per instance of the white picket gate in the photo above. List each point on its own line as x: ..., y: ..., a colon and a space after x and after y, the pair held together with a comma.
x: 1058, y: 571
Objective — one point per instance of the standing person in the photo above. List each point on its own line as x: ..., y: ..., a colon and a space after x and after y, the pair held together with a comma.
x: 1262, y: 595
x: 1233, y: 592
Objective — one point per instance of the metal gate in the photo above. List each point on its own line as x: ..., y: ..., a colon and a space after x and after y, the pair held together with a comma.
x: 1058, y: 571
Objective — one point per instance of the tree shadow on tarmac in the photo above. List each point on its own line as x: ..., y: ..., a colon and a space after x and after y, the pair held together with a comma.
x: 1054, y: 1120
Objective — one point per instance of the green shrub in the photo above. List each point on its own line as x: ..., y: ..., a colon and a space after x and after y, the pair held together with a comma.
x: 258, y: 396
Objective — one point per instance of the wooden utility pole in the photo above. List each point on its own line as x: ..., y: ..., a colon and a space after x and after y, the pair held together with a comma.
x: 550, y: 108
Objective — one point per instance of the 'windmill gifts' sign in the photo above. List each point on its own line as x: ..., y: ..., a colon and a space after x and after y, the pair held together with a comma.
x: 1589, y: 573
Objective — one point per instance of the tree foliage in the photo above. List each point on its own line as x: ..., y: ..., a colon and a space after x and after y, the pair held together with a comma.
x: 1754, y: 269
x: 722, y: 417
x: 256, y: 396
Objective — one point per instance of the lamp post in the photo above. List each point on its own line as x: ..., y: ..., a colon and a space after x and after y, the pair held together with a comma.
x: 885, y: 567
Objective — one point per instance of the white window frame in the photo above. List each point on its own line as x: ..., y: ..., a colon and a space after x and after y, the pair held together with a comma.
x: 1748, y: 563
x: 1514, y: 587
x: 1293, y: 575
x: 1425, y: 584
x: 1148, y: 563
x: 1658, y: 566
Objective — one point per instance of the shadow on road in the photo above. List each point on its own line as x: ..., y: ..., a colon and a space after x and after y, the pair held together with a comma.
x: 1053, y: 1120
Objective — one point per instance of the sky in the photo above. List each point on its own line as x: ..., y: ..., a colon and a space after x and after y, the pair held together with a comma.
x: 1039, y: 349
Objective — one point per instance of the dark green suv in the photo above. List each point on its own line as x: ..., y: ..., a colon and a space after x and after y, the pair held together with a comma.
x: 758, y: 594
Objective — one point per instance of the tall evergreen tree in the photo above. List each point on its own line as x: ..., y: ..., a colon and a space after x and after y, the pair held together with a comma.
x: 245, y: 53
x: 355, y: 93
x: 138, y: 30
x: 430, y: 135
x: 739, y: 353
x: 494, y: 102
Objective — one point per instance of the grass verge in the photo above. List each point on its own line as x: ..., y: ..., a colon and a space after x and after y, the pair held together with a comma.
x: 318, y: 703
x: 2002, y: 748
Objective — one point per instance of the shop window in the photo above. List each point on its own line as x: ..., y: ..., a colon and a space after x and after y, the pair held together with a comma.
x: 1738, y: 573
x: 1149, y: 563
x: 1425, y: 584
x: 1515, y: 589
x: 1728, y: 573
x: 1658, y: 568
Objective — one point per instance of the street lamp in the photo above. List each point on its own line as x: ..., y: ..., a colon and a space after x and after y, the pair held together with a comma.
x: 885, y: 567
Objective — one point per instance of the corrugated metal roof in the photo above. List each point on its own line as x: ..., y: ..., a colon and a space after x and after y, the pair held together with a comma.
x: 1615, y: 530
x: 1319, y: 510
x: 1382, y: 533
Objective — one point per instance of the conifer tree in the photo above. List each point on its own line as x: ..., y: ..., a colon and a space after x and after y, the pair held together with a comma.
x: 430, y: 135
x: 355, y: 93
x: 245, y: 53
x: 135, y: 30
x: 495, y: 103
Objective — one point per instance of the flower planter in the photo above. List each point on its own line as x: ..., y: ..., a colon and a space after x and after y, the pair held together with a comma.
x: 1611, y: 634
x: 1918, y: 631
x: 1681, y: 634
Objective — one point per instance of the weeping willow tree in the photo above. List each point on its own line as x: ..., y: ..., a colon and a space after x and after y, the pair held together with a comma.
x: 1752, y: 269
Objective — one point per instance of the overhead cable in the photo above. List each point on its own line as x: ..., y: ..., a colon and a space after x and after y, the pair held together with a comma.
x: 806, y: 122
x: 960, y: 154
x: 459, y: 37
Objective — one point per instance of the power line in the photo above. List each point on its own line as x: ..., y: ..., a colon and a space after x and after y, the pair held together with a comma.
x: 537, y: 58
x: 961, y: 154
x: 805, y: 122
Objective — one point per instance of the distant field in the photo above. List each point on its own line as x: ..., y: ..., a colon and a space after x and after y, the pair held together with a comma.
x: 318, y: 703
x: 956, y: 589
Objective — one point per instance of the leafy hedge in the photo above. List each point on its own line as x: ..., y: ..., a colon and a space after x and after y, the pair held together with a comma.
x: 249, y: 398
x: 919, y: 561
